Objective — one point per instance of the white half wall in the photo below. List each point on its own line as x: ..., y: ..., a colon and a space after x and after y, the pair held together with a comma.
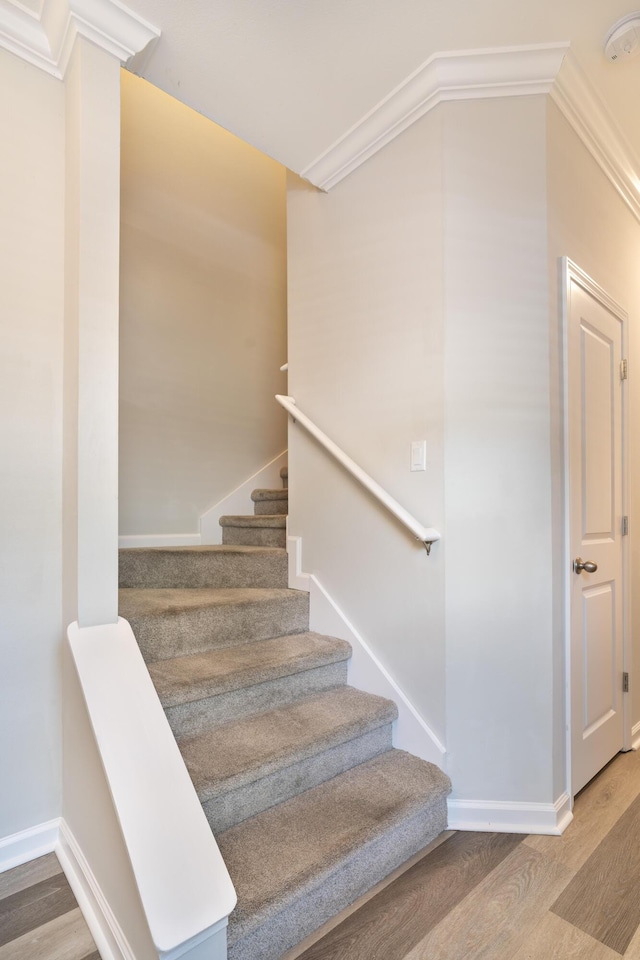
x: 31, y: 337
x: 410, y: 732
x: 202, y: 313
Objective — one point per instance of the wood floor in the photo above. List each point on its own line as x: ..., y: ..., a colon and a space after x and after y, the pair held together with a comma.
x: 490, y: 896
x: 474, y: 896
x: 39, y: 916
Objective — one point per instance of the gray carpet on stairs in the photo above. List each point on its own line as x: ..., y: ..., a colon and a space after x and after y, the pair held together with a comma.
x: 309, y: 802
x: 299, y: 863
x: 212, y: 566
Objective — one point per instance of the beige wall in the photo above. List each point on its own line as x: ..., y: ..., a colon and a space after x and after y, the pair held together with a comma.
x: 365, y: 356
x: 31, y: 318
x: 418, y: 308
x: 499, y: 519
x: 589, y: 222
x: 203, y: 312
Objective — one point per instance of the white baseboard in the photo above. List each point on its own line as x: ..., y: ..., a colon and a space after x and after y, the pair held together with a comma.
x: 160, y: 540
x: 104, y: 927
x: 511, y: 817
x: 28, y: 844
x: 411, y: 732
x: 635, y: 736
x: 239, y: 501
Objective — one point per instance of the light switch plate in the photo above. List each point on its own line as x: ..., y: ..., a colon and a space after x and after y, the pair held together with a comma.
x: 418, y: 455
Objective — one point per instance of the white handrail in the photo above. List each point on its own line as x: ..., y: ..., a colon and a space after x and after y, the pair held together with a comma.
x: 426, y: 535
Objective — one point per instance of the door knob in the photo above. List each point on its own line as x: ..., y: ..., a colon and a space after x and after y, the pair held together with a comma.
x: 579, y: 565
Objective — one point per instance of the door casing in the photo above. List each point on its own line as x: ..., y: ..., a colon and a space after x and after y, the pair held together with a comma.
x: 571, y: 272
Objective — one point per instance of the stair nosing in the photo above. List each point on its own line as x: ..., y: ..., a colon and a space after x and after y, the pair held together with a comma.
x: 209, y: 789
x: 293, y: 668
x: 244, y: 922
x: 269, y: 521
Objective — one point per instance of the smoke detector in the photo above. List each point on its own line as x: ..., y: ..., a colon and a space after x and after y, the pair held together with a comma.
x: 623, y: 40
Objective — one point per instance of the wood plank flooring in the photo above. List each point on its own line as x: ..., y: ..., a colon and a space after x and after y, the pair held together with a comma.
x: 511, y: 897
x: 473, y: 896
x: 39, y: 916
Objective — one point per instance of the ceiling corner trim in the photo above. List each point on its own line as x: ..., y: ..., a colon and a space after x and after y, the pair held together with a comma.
x: 458, y: 75
x: 23, y: 34
x: 47, y: 41
x: 581, y: 106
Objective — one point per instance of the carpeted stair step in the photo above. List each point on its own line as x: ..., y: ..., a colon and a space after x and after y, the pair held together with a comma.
x: 296, y: 865
x: 284, y: 474
x: 210, y: 566
x: 270, y: 501
x: 241, y: 768
x: 175, y: 623
x: 268, y: 530
x: 222, y: 685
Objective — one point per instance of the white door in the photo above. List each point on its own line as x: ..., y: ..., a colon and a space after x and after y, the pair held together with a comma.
x: 595, y: 337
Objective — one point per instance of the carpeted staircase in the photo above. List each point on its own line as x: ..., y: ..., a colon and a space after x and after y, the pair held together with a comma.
x: 310, y: 804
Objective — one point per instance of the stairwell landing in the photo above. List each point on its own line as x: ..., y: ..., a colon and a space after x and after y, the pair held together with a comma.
x: 310, y: 804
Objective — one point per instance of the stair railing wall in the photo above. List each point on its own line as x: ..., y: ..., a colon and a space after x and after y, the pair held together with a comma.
x: 426, y: 535
x: 184, y: 886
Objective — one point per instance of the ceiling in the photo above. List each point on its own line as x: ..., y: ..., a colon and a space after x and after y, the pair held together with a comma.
x: 292, y: 76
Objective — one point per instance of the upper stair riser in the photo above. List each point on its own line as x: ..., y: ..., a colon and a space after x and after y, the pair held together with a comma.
x: 254, y: 536
x: 202, y: 567
x: 262, y: 507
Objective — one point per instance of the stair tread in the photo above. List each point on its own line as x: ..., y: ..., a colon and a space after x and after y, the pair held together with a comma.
x: 291, y: 849
x: 234, y: 754
x: 284, y: 472
x: 275, y: 520
x: 264, y: 493
x: 194, y: 677
x: 162, y: 601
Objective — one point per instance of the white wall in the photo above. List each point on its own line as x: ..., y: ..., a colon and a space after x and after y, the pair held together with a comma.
x: 31, y: 321
x: 203, y: 312
x: 589, y: 222
x: 497, y: 453
x: 365, y: 363
x: 418, y: 295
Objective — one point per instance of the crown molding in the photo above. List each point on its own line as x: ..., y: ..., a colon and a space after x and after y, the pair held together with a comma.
x: 460, y: 75
x: 585, y: 112
x: 47, y: 41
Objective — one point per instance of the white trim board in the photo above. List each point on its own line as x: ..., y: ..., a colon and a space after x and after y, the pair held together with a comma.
x: 500, y: 816
x: 29, y: 844
x: 456, y: 75
x: 481, y: 74
x: 46, y: 41
x: 585, y: 112
x: 238, y: 501
x: 365, y: 671
x: 105, y: 929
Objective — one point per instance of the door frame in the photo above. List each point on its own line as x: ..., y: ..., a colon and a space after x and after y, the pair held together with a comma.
x: 571, y: 272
